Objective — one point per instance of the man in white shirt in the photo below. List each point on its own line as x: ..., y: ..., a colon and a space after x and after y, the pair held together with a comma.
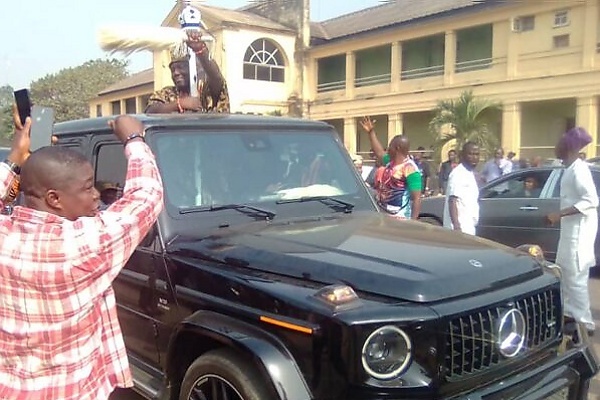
x: 496, y: 167
x: 461, y: 209
x: 578, y: 217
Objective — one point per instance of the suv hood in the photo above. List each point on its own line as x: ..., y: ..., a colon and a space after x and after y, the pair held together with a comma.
x: 371, y: 252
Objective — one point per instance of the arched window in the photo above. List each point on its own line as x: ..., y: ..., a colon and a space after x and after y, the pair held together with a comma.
x: 264, y: 61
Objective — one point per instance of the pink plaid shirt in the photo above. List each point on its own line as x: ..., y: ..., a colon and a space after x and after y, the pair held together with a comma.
x: 59, y: 333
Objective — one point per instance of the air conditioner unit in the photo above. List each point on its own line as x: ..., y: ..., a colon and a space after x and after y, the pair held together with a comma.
x: 516, y: 24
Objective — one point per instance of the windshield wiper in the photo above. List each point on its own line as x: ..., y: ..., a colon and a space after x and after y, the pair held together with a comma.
x: 243, y: 208
x: 323, y: 199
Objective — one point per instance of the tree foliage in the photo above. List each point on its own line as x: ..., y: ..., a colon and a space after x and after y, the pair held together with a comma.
x: 69, y: 90
x: 6, y: 124
x: 462, y: 120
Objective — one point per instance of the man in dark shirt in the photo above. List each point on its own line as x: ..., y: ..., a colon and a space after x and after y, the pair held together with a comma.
x: 445, y: 168
x: 424, y: 167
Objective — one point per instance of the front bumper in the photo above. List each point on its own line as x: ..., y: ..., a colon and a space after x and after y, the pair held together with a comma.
x: 569, y: 372
x: 573, y: 370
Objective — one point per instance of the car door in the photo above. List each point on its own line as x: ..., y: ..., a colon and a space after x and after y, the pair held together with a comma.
x: 514, y: 214
x: 596, y: 176
x: 132, y: 286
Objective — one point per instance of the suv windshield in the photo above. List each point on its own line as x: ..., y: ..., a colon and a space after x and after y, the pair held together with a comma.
x: 263, y: 168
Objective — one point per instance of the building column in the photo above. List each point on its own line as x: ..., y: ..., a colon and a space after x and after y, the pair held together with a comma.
x: 511, y: 127
x: 395, y: 126
x: 396, y: 69
x: 139, y: 107
x: 350, y: 134
x: 449, y: 57
x: 123, y: 107
x: 350, y: 74
x: 587, y: 117
x: 590, y: 38
x: 512, y: 54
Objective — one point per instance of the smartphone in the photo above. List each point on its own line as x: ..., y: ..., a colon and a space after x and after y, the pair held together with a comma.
x: 42, y: 125
x: 23, y: 104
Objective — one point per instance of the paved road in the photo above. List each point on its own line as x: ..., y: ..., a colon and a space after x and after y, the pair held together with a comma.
x: 595, y: 387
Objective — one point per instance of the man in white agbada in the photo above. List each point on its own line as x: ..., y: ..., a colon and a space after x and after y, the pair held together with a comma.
x: 461, y: 209
x: 578, y: 217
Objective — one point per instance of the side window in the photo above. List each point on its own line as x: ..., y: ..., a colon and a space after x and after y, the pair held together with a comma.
x: 525, y: 185
x: 110, y: 171
x: 596, y: 176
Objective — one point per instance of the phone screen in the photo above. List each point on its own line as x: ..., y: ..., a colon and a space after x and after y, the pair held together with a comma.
x: 42, y: 125
x: 23, y: 104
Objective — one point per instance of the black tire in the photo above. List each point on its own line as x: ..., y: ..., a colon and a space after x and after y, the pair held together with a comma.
x: 230, y: 370
x: 430, y: 220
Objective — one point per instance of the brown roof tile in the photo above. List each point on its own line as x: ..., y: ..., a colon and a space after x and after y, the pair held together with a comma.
x: 138, y: 79
x: 240, y: 17
x: 392, y: 13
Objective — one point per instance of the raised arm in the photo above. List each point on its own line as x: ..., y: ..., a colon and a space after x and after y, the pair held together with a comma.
x: 368, y: 125
x: 10, y: 168
x: 125, y: 223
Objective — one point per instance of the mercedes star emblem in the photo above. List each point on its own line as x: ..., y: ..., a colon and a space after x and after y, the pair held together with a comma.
x: 511, y: 333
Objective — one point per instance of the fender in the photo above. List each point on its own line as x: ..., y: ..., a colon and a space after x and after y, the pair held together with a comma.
x: 275, y: 360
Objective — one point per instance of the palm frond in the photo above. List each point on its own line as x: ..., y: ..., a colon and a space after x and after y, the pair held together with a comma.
x: 462, y: 120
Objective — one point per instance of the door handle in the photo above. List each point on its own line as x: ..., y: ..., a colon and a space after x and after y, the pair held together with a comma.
x: 528, y: 208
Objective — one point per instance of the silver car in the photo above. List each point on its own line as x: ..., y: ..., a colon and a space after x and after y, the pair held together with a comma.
x: 513, y: 208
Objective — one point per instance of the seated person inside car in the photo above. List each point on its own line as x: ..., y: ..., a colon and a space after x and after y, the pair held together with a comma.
x: 531, y: 187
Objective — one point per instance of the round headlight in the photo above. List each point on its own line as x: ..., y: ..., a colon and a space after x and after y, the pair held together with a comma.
x: 386, y: 352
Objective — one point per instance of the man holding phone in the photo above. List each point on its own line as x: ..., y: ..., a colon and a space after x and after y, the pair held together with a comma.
x: 42, y: 119
x: 59, y: 333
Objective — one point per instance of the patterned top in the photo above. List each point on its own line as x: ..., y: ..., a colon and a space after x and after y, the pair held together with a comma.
x: 210, y: 103
x: 59, y: 333
x: 394, y: 182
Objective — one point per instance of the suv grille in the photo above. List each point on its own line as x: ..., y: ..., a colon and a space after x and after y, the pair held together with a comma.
x: 471, y: 339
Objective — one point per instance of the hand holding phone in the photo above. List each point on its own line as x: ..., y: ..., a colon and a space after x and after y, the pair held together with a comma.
x: 42, y: 125
x: 23, y: 104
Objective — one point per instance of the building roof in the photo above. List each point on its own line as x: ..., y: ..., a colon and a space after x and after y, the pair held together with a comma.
x: 240, y: 17
x: 138, y: 79
x: 392, y: 13
x: 226, y: 15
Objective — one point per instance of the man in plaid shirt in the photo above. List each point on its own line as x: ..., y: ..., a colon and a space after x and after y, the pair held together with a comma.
x: 59, y: 333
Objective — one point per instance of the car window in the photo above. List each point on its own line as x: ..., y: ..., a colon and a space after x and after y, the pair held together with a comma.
x: 596, y: 176
x: 523, y: 185
x: 225, y: 168
x: 110, y: 172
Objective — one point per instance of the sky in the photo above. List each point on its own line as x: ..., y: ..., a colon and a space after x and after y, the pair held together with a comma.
x: 44, y: 36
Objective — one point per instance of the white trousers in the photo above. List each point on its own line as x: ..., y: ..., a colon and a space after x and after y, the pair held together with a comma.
x: 576, y: 294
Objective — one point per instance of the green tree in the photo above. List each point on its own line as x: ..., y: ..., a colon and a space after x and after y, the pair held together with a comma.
x: 462, y: 120
x: 6, y: 124
x: 70, y: 90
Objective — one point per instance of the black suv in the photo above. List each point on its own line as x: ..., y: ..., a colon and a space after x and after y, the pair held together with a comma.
x: 270, y: 274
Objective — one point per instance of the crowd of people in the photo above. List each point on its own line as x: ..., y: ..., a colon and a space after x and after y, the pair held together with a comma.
x: 400, y: 180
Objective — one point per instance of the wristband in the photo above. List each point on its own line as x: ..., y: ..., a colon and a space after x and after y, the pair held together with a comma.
x: 14, y: 167
x: 133, y: 136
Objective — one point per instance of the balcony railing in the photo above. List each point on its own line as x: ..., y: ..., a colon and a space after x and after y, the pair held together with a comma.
x: 330, y: 86
x: 372, y: 80
x: 473, y: 65
x: 424, y: 72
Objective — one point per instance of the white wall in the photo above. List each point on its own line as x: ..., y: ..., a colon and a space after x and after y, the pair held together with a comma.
x: 251, y: 95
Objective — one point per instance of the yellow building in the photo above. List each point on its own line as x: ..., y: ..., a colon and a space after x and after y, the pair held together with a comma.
x: 539, y: 59
x: 128, y: 96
